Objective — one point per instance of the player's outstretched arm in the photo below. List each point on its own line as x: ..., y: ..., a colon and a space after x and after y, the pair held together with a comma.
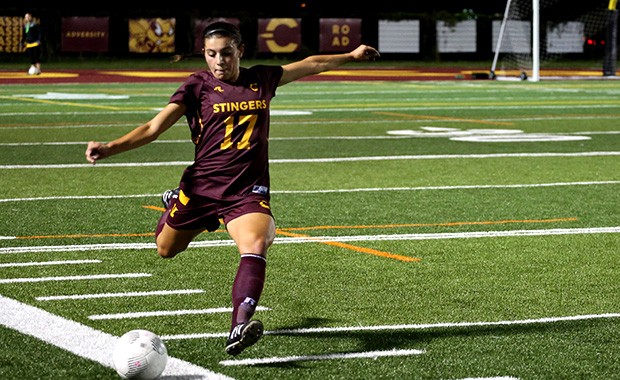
x: 142, y: 135
x: 316, y: 64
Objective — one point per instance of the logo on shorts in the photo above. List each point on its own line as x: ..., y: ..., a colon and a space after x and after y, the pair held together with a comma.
x: 264, y: 204
x: 262, y: 190
x: 184, y: 199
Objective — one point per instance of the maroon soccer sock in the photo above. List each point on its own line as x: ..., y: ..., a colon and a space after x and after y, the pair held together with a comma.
x: 247, y: 287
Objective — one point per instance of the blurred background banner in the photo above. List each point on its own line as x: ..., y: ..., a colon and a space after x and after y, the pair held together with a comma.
x: 11, y: 34
x: 515, y: 37
x: 401, y: 36
x: 279, y: 35
x: 152, y: 35
x: 85, y: 34
x: 340, y: 34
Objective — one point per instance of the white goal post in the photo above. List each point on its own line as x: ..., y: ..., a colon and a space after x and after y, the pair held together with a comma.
x: 533, y: 33
x: 535, y: 43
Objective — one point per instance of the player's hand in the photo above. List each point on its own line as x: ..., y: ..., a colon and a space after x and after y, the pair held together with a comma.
x: 365, y: 53
x: 95, y: 151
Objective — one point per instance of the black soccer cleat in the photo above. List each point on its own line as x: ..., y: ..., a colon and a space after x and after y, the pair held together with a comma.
x: 168, y: 195
x: 243, y: 336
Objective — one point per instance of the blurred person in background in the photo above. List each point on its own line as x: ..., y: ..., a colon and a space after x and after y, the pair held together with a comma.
x: 31, y: 40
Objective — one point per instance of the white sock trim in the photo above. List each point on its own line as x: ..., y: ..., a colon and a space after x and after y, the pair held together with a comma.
x: 255, y: 256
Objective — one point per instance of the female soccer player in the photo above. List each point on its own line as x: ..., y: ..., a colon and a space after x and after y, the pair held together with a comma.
x: 227, y: 109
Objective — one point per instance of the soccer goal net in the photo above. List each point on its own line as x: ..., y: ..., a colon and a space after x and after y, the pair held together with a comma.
x: 553, y: 38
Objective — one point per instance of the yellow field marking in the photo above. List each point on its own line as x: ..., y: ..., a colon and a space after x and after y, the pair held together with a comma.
x: 20, y: 75
x: 565, y: 73
x: 31, y: 100
x: 69, y: 125
x: 387, y: 73
x: 353, y: 247
x: 429, y: 117
x: 439, y: 104
x: 150, y: 74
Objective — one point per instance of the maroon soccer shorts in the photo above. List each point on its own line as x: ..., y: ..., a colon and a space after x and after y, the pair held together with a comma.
x: 200, y: 212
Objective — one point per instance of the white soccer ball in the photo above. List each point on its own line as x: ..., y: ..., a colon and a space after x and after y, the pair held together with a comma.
x: 32, y: 70
x: 140, y: 354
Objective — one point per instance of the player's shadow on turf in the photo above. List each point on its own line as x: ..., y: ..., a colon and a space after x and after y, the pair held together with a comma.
x: 307, y: 323
x: 388, y: 340
x: 402, y: 339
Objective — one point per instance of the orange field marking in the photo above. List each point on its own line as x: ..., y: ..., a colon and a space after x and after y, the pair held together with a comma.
x: 156, y: 208
x: 83, y: 236
x: 287, y: 232
x: 353, y: 247
x: 444, y: 224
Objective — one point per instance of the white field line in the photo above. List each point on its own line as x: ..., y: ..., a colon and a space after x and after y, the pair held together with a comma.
x: 324, y: 239
x: 423, y: 326
x: 45, y: 263
x: 293, y: 138
x: 78, y: 197
x: 96, y: 247
x: 83, y: 340
x: 356, y: 190
x: 457, y: 187
x: 327, y: 159
x: 166, y: 313
x: 119, y: 295
x: 314, y: 330
x: 104, y: 165
x: 349, y: 355
x: 285, y: 109
x: 407, y: 121
x: 71, y: 278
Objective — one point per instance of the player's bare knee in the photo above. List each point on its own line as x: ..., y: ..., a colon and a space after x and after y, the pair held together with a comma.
x: 167, y: 252
x: 268, y: 240
x: 164, y: 254
x: 260, y: 244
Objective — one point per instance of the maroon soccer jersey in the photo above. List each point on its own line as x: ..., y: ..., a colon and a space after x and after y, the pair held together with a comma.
x: 229, y: 124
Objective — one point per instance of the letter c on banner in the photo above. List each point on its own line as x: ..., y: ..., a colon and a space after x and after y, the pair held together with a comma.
x: 273, y: 46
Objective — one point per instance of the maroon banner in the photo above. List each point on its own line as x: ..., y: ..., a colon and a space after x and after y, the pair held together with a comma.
x: 152, y: 35
x: 340, y: 34
x: 11, y: 34
x: 85, y: 34
x: 279, y: 35
x: 201, y: 24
